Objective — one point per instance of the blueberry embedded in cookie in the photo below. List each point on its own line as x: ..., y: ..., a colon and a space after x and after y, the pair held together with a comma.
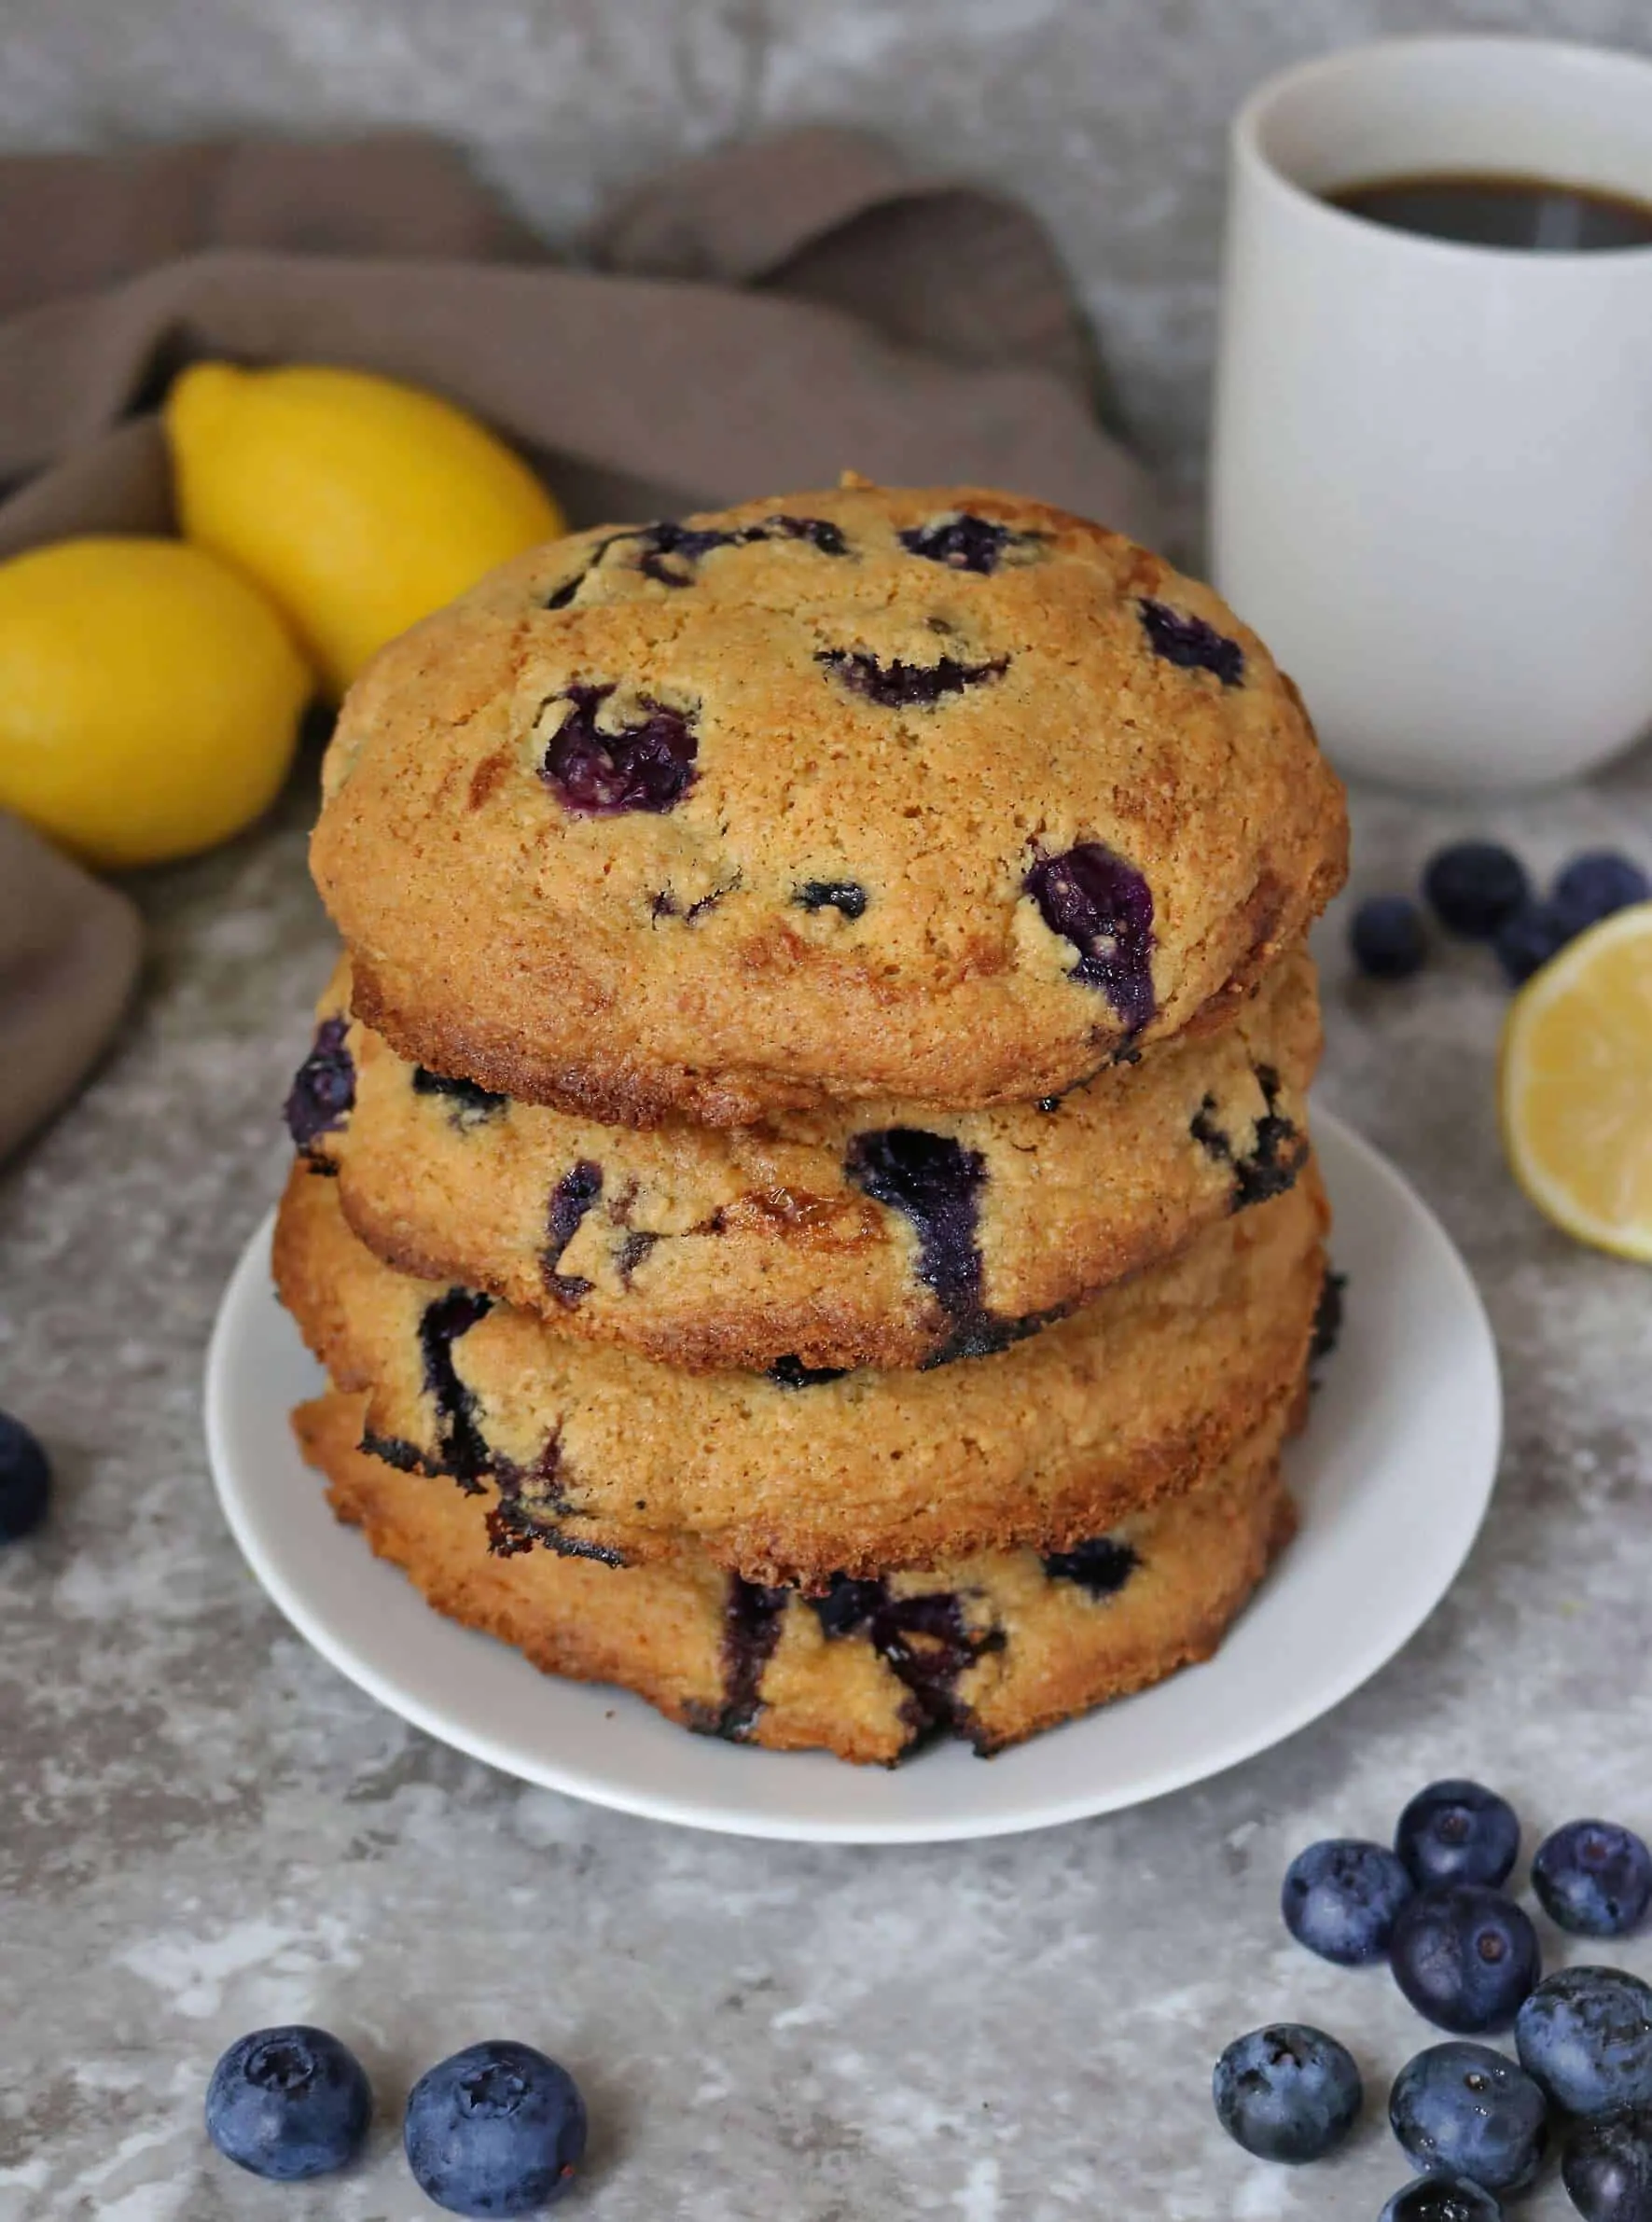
x: 1104, y: 908
x: 897, y: 685
x: 322, y: 1093
x: 597, y: 767
x: 968, y: 543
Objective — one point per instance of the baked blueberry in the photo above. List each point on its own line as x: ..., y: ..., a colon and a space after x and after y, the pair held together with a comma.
x: 1104, y: 907
x: 1342, y: 1899
x: 1466, y: 2110
x: 498, y: 2129
x: 461, y: 1450
x: 570, y: 1200
x: 288, y: 2103
x: 962, y: 542
x: 1441, y: 2198
x: 1287, y: 2092
x: 752, y: 1617
x: 25, y: 1480
x: 1585, y: 2034
x: 1100, y: 1566
x: 1525, y: 942
x: 819, y: 532
x: 322, y: 1093
x: 1594, y: 1877
x: 1607, y: 2170
x: 845, y: 896
x: 597, y: 770
x: 1473, y: 886
x: 935, y: 1183
x: 1191, y: 643
x: 1387, y: 937
x: 790, y: 1372
x: 471, y: 1102
x: 1465, y: 1956
x: 1458, y: 1831
x: 900, y: 686
x: 1595, y: 884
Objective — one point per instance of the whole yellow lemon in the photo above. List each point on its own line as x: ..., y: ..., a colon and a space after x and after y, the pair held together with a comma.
x: 358, y: 504
x: 151, y: 698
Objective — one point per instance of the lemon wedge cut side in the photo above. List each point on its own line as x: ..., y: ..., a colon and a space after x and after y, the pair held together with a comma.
x: 1575, y: 1085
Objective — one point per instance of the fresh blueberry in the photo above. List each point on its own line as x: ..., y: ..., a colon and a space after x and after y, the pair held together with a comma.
x: 1466, y: 2110
x: 288, y: 2103
x: 1525, y: 942
x: 597, y: 771
x: 1607, y: 2170
x: 495, y: 2130
x: 1441, y: 2198
x: 1595, y: 884
x: 1458, y: 1832
x: 1387, y: 937
x: 1474, y: 886
x: 1594, y: 1877
x: 1465, y: 1956
x: 1287, y: 2092
x: 25, y: 1480
x: 1585, y: 2034
x: 1341, y: 1898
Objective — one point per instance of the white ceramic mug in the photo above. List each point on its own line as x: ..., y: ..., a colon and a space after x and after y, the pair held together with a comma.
x: 1432, y: 479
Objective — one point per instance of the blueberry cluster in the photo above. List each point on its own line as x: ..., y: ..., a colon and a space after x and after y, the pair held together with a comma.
x: 1480, y: 892
x: 498, y: 2129
x: 1476, y: 2124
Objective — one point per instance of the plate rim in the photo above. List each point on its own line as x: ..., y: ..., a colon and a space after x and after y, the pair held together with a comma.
x: 724, y: 1816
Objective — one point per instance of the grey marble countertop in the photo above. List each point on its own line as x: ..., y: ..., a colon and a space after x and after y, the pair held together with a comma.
x: 204, y: 1828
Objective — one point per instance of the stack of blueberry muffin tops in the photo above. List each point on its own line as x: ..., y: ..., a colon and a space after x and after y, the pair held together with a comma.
x: 803, y: 1193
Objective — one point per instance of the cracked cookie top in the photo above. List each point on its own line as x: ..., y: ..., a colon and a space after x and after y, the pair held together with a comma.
x: 934, y: 794
x: 883, y: 1233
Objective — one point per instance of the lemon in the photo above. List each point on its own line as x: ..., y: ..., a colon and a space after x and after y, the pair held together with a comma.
x: 151, y: 698
x: 1577, y: 1085
x: 359, y: 504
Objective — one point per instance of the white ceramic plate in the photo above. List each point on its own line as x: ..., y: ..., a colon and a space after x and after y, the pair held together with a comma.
x: 1392, y: 1477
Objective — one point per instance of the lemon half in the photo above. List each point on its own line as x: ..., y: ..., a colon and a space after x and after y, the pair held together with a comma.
x: 1577, y: 1085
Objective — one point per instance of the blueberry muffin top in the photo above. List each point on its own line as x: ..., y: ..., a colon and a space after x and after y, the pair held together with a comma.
x: 990, y: 1648
x: 792, y: 1478
x: 937, y: 792
x: 874, y: 1233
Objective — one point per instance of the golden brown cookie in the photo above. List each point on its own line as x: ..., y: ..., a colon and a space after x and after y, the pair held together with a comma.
x: 889, y: 1235
x: 937, y: 794
x: 791, y: 1478
x: 992, y: 1648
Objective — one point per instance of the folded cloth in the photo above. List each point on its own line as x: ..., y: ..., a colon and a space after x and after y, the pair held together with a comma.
x: 756, y: 320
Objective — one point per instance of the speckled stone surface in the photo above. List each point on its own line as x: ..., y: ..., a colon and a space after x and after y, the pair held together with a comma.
x: 204, y: 1828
